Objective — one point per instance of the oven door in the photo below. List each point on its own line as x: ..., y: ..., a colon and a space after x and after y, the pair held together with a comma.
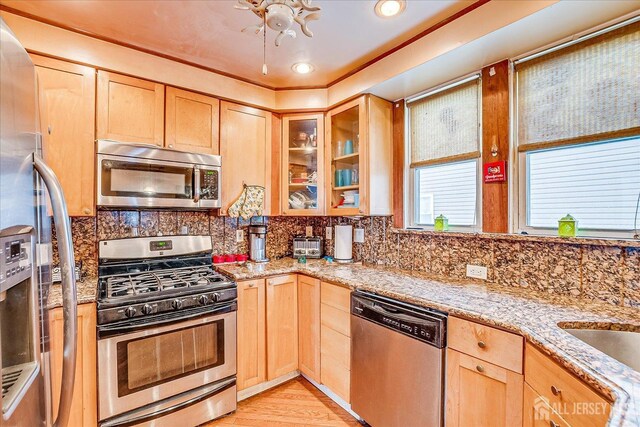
x: 127, y: 181
x: 151, y: 363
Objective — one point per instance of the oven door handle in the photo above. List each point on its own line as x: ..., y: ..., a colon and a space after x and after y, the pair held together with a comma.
x: 69, y: 298
x: 108, y: 330
x: 154, y: 413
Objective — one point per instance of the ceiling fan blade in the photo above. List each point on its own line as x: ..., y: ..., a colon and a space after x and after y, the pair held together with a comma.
x: 304, y: 22
x: 306, y: 5
x: 283, y: 34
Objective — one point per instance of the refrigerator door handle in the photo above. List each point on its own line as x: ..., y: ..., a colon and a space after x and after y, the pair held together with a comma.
x: 69, y: 298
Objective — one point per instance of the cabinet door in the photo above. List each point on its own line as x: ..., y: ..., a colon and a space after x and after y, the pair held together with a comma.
x: 481, y: 394
x: 309, y: 326
x: 84, y: 410
x: 66, y: 95
x: 245, y: 147
x: 538, y: 413
x: 282, y: 325
x: 252, y: 356
x: 130, y: 109
x: 192, y: 122
x: 303, y: 165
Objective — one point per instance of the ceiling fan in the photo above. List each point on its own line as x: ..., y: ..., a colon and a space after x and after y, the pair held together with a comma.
x: 279, y: 15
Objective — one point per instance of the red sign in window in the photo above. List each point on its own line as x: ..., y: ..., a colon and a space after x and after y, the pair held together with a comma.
x: 495, y: 171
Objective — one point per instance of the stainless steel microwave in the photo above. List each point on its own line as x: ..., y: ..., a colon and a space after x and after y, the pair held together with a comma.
x: 136, y: 175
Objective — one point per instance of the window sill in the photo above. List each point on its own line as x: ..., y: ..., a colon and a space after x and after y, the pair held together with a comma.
x: 585, y: 241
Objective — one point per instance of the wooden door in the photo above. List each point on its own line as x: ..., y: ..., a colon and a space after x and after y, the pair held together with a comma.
x: 66, y: 94
x: 192, y: 122
x: 480, y: 394
x: 282, y: 325
x: 538, y: 413
x: 309, y: 326
x: 245, y: 147
x: 130, y: 109
x: 251, y: 353
x: 84, y: 409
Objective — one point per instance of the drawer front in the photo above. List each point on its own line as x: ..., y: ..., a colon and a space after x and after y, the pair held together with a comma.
x: 335, y: 377
x: 336, y: 345
x: 335, y: 296
x: 486, y: 343
x: 576, y: 402
x: 537, y: 413
x: 338, y: 320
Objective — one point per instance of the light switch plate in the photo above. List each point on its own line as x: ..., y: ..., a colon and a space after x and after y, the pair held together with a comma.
x: 309, y: 230
x: 358, y: 235
x: 328, y: 231
x: 239, y: 236
x: 477, y: 271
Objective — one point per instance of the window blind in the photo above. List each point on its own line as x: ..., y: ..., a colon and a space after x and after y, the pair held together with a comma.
x: 445, y: 126
x: 585, y: 92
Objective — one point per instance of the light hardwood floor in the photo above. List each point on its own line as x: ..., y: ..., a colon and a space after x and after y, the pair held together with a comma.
x: 294, y: 403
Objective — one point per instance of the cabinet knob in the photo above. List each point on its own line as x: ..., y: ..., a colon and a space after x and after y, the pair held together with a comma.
x: 360, y: 211
x: 251, y: 285
x: 87, y: 211
x: 480, y: 368
x: 49, y: 129
x: 482, y: 344
x: 555, y: 390
x: 170, y: 145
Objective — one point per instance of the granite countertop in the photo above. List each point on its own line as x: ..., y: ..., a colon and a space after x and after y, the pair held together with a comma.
x: 87, y: 291
x: 526, y: 312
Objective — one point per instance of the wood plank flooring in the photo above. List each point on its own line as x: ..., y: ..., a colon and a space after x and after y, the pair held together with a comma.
x: 295, y: 403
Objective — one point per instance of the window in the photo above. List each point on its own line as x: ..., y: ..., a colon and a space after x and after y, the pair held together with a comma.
x: 444, y: 141
x: 578, y: 134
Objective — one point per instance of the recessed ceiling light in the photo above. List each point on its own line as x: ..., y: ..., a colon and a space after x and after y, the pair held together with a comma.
x: 389, y: 8
x: 302, y: 68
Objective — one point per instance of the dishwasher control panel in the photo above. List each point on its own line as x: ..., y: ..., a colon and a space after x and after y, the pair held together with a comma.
x: 423, y: 324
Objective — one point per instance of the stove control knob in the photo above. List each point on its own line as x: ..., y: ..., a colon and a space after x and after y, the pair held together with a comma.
x: 203, y: 300
x: 215, y: 297
x: 130, y: 311
x: 147, y: 309
x: 176, y: 304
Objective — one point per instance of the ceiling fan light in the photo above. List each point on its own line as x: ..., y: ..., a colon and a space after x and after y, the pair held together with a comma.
x: 302, y: 67
x: 389, y: 8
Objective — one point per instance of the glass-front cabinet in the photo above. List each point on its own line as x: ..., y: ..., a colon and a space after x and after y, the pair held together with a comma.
x: 303, y: 165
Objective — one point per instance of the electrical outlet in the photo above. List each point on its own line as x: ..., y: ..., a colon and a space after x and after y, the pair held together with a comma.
x: 328, y: 231
x: 309, y: 230
x: 239, y: 236
x: 358, y: 235
x: 477, y: 271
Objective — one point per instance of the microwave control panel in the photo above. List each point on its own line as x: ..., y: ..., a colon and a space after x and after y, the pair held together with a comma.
x: 209, y: 184
x: 15, y: 262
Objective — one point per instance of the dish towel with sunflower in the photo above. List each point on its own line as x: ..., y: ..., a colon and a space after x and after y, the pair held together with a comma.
x: 249, y: 203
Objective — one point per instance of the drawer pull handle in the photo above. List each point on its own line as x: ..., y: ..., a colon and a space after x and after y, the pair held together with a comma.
x: 480, y: 368
x: 555, y: 390
x: 251, y: 285
x: 553, y: 424
x: 482, y: 344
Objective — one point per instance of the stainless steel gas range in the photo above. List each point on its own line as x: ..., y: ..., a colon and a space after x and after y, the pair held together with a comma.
x: 166, y: 333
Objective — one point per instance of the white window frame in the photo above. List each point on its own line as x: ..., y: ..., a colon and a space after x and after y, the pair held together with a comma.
x: 518, y: 181
x: 409, y: 174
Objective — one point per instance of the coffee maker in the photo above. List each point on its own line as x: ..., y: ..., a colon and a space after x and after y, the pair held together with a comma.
x: 258, y: 243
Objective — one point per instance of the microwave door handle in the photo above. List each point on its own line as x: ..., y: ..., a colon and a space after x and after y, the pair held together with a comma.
x: 196, y: 184
x: 69, y: 298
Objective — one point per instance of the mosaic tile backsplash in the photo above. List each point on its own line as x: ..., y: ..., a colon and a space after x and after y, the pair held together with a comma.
x: 595, y: 272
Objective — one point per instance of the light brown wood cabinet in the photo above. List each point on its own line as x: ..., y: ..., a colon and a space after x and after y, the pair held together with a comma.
x: 245, y: 147
x: 335, y: 339
x: 192, y: 122
x: 309, y: 327
x: 130, y: 109
x: 538, y: 413
x: 84, y: 409
x: 484, y: 381
x: 66, y: 94
x: 367, y: 123
x: 282, y: 325
x: 252, y: 334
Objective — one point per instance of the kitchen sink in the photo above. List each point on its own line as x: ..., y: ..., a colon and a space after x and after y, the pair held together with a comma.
x: 621, y: 345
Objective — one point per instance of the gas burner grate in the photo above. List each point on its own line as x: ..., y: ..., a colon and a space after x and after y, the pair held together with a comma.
x: 154, y: 282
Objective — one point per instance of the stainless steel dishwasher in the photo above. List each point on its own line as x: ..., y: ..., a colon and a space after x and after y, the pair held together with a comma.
x: 397, y: 362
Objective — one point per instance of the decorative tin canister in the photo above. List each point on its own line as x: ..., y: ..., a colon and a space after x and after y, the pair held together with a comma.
x: 441, y: 223
x: 567, y: 226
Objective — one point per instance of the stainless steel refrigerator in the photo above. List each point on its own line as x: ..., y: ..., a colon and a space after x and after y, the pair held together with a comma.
x: 28, y: 191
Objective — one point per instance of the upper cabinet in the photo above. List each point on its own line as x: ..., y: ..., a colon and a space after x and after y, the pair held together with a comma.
x: 245, y: 147
x: 67, y: 95
x: 191, y: 122
x: 358, y: 158
x: 130, y: 109
x: 302, y: 189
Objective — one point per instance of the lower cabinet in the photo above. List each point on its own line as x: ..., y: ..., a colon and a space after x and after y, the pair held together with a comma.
x: 309, y: 327
x: 252, y: 334
x: 282, y: 325
x: 538, y: 413
x: 84, y: 409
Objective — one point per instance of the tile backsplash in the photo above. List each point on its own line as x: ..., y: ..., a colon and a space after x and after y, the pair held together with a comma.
x: 595, y: 272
